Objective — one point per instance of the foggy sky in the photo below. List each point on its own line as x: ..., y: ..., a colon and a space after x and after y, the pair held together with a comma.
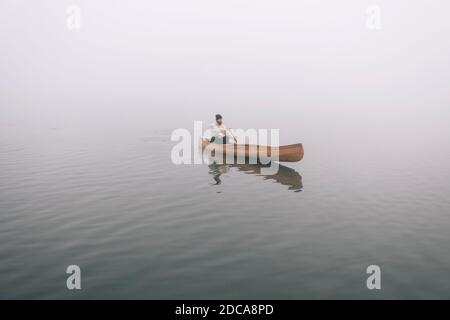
x: 276, y: 64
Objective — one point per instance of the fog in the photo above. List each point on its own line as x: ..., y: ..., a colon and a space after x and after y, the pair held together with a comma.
x: 308, y: 67
x: 86, y: 175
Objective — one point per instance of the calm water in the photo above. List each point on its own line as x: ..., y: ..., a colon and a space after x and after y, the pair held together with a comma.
x: 86, y: 178
x: 141, y: 227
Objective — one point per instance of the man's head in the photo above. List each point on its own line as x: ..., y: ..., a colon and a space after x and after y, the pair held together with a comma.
x: 219, y: 119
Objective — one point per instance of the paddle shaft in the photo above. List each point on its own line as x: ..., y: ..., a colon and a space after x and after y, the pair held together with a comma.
x: 235, y: 140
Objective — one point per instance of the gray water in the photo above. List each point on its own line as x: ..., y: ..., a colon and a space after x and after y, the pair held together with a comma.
x: 86, y: 176
x: 142, y: 227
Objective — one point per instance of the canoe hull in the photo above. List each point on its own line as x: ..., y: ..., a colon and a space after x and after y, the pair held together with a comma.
x: 287, y: 153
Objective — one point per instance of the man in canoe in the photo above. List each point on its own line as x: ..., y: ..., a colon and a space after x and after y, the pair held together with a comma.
x: 220, y: 133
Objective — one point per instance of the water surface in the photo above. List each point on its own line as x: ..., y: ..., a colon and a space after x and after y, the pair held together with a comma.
x: 86, y: 177
x: 142, y: 227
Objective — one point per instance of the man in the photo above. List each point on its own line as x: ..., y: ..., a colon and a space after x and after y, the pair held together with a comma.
x: 220, y: 132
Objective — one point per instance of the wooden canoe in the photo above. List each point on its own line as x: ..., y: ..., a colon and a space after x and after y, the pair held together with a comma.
x: 287, y: 153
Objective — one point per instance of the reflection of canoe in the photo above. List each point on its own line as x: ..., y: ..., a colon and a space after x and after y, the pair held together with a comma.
x: 288, y: 153
x: 285, y: 175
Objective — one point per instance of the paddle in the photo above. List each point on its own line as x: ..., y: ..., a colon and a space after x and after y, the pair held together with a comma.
x: 235, y: 140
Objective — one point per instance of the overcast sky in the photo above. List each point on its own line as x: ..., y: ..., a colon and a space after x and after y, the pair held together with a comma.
x: 260, y: 63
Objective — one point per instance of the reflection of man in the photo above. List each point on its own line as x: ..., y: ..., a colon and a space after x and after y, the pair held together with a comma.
x: 216, y: 171
x: 220, y: 132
